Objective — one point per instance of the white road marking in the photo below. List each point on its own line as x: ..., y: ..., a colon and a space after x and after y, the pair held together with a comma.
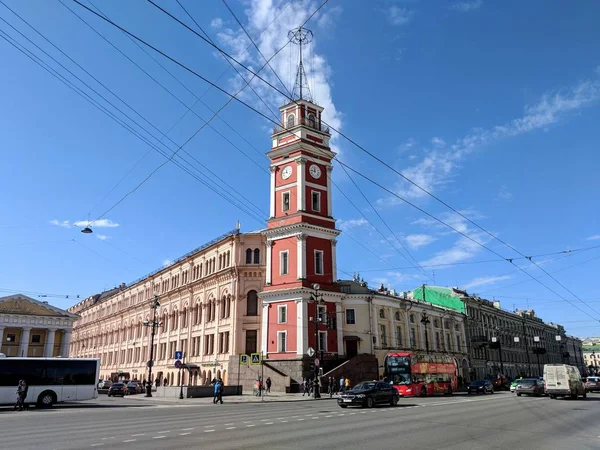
x: 328, y: 415
x: 230, y: 428
x: 268, y: 423
x: 209, y: 426
x: 363, y: 412
x: 163, y: 432
x: 315, y: 417
x: 250, y: 425
x: 139, y: 434
x: 340, y: 415
x: 352, y: 413
x: 293, y: 417
x: 229, y: 424
x: 300, y: 420
x: 96, y: 445
x: 184, y: 434
x: 158, y: 437
x: 130, y: 440
x: 285, y: 421
x: 208, y: 431
x: 187, y: 429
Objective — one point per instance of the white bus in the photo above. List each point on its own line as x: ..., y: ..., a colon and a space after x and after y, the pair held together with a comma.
x: 50, y: 380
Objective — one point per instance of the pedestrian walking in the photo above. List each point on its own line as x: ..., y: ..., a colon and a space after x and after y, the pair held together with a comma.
x: 218, y: 391
x: 22, y: 389
x: 268, y: 385
x: 342, y: 380
x: 347, y: 384
x: 330, y: 386
x: 259, y: 387
x: 304, y: 387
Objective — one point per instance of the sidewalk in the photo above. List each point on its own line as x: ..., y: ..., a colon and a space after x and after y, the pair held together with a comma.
x: 246, y: 398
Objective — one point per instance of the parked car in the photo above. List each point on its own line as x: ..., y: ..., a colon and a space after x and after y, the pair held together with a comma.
x: 480, y: 387
x: 133, y: 387
x: 563, y: 380
x: 513, y: 385
x: 592, y: 384
x: 369, y: 394
x: 529, y: 386
x: 117, y: 389
x: 104, y: 384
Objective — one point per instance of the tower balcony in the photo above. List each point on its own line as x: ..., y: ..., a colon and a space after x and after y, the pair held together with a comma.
x: 312, y: 124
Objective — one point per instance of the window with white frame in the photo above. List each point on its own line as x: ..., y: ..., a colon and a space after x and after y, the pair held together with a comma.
x: 382, y: 335
x: 285, y: 201
x: 322, y: 314
x: 323, y: 341
x: 284, y: 262
x: 282, y: 314
x: 316, y: 201
x: 350, y: 316
x: 399, y: 336
x: 319, y: 262
x: 281, y: 341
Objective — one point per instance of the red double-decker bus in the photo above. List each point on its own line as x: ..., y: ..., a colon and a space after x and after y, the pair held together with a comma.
x: 416, y: 374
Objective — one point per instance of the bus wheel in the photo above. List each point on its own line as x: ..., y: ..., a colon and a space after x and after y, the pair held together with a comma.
x: 423, y: 391
x: 46, y: 399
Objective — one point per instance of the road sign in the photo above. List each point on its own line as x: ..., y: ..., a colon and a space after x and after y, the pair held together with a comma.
x: 255, y: 359
x: 310, y: 352
x: 317, y: 362
x: 177, y: 364
x: 179, y: 355
x: 243, y: 359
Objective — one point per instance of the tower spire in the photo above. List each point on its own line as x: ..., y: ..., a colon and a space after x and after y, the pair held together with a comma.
x: 301, y: 36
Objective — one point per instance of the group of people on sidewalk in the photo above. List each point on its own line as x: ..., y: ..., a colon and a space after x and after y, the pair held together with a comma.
x: 22, y: 389
x: 333, y: 387
x: 260, y: 387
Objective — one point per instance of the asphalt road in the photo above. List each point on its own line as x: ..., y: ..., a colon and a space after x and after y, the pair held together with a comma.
x: 500, y: 421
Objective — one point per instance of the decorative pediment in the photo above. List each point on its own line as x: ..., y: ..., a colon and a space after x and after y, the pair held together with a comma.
x: 22, y: 305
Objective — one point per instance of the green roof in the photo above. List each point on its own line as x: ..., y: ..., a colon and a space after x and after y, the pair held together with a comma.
x: 440, y: 296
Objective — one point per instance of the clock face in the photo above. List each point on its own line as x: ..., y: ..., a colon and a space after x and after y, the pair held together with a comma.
x: 315, y: 171
x: 286, y: 172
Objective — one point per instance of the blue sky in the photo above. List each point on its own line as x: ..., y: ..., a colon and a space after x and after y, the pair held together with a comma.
x: 491, y: 106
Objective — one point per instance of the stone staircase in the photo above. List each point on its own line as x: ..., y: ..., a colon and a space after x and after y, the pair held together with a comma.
x: 360, y: 368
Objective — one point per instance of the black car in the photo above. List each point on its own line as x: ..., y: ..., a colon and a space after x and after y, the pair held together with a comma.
x: 118, y: 389
x: 481, y: 387
x: 133, y: 387
x: 369, y: 394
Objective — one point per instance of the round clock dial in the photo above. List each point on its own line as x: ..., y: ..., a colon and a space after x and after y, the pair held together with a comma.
x: 286, y: 172
x: 315, y: 171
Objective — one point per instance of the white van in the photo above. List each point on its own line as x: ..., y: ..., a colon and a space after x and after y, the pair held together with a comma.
x: 562, y: 380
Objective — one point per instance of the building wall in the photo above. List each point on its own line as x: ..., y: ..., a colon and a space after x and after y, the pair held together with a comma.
x: 203, y: 312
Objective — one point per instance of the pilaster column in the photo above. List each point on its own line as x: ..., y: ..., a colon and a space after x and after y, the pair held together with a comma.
x: 394, y: 338
x: 407, y: 328
x: 49, y: 345
x: 273, y: 170
x: 301, y: 256
x: 24, y: 345
x: 333, y: 260
x: 300, y: 184
x: 64, y: 344
x: 269, y: 262
x: 340, y: 320
x: 301, y: 327
x: 264, y: 329
x: 329, y: 211
x: 1, y: 335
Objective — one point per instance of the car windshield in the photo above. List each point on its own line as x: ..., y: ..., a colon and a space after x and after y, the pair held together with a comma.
x: 478, y: 383
x: 364, y: 386
x: 593, y: 379
x: 117, y: 385
x: 528, y: 382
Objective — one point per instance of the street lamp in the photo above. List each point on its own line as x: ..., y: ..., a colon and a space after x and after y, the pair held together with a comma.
x: 558, y: 338
x: 425, y: 321
x: 496, y: 344
x: 155, y: 304
x: 538, y: 351
x: 317, y: 300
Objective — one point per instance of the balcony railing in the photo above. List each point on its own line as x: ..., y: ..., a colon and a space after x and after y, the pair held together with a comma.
x: 315, y: 125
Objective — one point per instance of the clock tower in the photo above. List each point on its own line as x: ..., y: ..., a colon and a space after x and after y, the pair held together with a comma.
x: 301, y: 236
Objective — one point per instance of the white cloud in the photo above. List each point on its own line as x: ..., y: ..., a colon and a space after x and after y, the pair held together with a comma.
x: 595, y: 237
x: 217, y: 22
x: 167, y: 262
x: 407, y: 145
x: 467, y: 6
x: 419, y: 240
x: 101, y: 223
x: 63, y: 224
x: 393, y: 279
x: 259, y: 15
x: 504, y: 195
x: 438, y: 142
x: 483, y: 281
x: 398, y: 16
x: 349, y: 224
x: 102, y: 237
x: 438, y: 166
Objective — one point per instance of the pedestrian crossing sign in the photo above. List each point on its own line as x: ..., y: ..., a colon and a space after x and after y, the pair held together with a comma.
x: 243, y: 359
x: 255, y: 359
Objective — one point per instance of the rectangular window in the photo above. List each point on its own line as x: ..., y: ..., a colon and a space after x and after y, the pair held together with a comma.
x: 316, y: 201
x: 319, y: 262
x: 399, y: 336
x: 35, y: 338
x: 281, y: 341
x: 350, y: 317
x: 382, y: 332
x: 283, y: 263
x: 282, y: 314
x: 285, y: 201
x: 322, y: 314
x: 251, y: 338
x: 323, y: 341
x: 413, y: 338
x: 10, y: 337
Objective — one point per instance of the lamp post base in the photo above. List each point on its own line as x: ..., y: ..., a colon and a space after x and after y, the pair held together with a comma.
x: 148, y: 390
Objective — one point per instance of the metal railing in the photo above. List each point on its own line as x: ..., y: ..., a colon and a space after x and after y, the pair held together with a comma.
x: 314, y: 124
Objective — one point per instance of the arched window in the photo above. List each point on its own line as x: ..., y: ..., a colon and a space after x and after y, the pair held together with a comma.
x: 252, y: 304
x: 256, y: 256
x: 291, y: 121
x: 397, y: 315
x: 412, y: 318
x: 312, y: 122
x: 382, y: 313
x: 220, y: 262
x: 208, y: 311
x: 248, y: 256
